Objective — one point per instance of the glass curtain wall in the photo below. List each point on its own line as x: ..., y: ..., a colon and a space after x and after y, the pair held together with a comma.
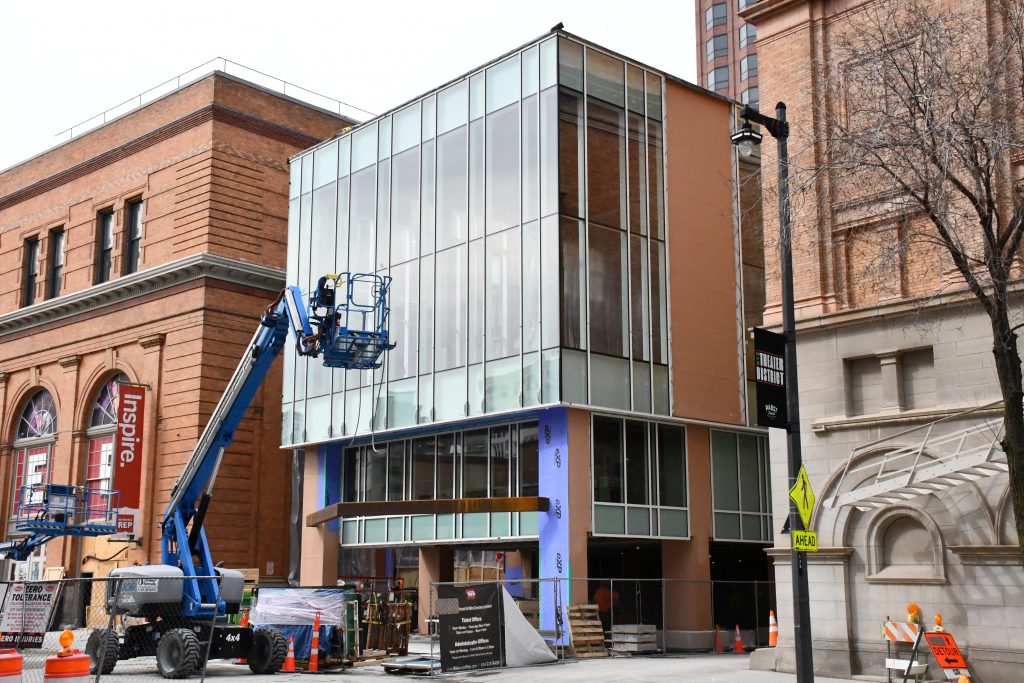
x: 506, y: 207
x: 614, y: 332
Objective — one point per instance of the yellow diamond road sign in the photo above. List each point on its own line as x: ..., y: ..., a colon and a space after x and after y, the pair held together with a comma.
x: 803, y: 496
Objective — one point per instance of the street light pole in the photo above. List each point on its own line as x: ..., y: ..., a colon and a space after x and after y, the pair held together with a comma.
x: 779, y: 129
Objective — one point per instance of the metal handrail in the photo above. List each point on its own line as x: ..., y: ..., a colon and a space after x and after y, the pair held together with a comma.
x: 216, y: 64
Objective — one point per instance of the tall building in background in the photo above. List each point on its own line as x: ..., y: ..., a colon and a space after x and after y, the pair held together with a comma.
x: 143, y: 251
x: 727, y: 50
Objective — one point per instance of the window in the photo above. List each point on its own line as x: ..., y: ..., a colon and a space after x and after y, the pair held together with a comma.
x: 639, y: 473
x: 748, y: 67
x: 102, y: 424
x: 741, y: 489
x: 718, y: 79
x: 715, y: 16
x: 744, y: 4
x: 748, y: 35
x: 752, y: 97
x: 55, y: 276
x: 718, y: 46
x: 132, y: 236
x: 104, y: 245
x: 30, y: 271
x: 32, y: 443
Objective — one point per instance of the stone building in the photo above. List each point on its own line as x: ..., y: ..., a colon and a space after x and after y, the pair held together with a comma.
x: 899, y: 400
x: 144, y: 251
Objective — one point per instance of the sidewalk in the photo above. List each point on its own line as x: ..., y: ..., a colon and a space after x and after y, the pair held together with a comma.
x: 704, y: 668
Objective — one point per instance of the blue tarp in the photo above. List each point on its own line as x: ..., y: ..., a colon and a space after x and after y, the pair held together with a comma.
x: 303, y: 636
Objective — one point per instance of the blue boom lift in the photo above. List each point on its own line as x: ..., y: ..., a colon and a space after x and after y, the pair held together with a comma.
x: 345, y: 324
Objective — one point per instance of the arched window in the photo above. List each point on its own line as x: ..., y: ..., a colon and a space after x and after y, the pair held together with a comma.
x: 33, y: 446
x: 102, y: 425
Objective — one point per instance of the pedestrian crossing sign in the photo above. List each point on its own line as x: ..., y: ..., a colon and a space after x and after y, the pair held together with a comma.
x: 803, y: 496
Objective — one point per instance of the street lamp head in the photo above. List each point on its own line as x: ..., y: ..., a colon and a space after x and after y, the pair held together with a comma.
x: 746, y: 139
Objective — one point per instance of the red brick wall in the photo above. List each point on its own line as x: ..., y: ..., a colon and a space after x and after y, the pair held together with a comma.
x: 210, y: 162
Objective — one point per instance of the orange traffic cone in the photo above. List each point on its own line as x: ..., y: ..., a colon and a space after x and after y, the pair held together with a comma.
x: 244, y: 623
x: 773, y: 629
x: 289, y: 661
x: 314, y: 648
x: 718, y: 640
x: 737, y: 643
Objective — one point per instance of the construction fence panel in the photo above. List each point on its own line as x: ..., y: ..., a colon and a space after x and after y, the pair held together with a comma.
x: 648, y: 616
x: 110, y: 624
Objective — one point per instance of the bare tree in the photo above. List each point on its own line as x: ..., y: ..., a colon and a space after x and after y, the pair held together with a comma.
x: 928, y: 127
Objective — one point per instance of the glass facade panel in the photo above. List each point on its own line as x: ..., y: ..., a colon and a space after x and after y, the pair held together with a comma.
x: 570, y: 154
x: 528, y: 453
x: 606, y: 180
x: 640, y: 298
x: 610, y: 519
x: 531, y: 159
x: 474, y: 464
x: 503, y: 384
x: 548, y: 63
x: 671, y: 466
x: 325, y: 164
x: 638, y: 463
x: 401, y: 405
x: 605, y: 78
x: 503, y: 197
x: 450, y: 394
x: 452, y: 107
x: 364, y: 147
x: 427, y: 173
x: 476, y: 179
x: 362, y: 221
x: 531, y: 73
x: 574, y: 284
x: 405, y: 206
x: 406, y: 125
x: 500, y: 461
x: 423, y: 468
x: 608, y: 291
x: 608, y: 451
x: 448, y: 454
x: 450, y: 308
x: 503, y: 81
x: 531, y: 286
x: 570, y: 64
x: 452, y: 179
x: 504, y: 294
x: 609, y: 382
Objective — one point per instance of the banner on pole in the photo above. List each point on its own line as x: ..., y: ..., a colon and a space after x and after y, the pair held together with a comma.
x: 770, y: 378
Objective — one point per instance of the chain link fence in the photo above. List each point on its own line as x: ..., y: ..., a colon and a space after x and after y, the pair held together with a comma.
x: 131, y: 628
x: 636, y: 616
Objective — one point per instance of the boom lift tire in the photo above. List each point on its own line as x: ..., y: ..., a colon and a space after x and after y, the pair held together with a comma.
x: 102, y: 648
x: 268, y: 652
x: 178, y: 654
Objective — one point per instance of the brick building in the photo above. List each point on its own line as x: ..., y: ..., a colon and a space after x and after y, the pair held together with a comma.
x: 727, y: 50
x: 896, y: 376
x: 144, y: 251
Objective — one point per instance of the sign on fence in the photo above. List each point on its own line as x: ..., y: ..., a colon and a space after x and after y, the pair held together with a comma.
x: 26, y: 613
x: 469, y: 621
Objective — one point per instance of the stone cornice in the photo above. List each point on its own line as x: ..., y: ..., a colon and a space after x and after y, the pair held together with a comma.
x: 760, y: 11
x: 144, y: 282
x: 1008, y: 555
x: 151, y: 341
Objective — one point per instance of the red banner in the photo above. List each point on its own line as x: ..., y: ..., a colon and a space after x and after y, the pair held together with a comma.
x: 131, y: 414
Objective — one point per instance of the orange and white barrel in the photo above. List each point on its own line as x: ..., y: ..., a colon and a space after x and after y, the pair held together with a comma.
x: 11, y: 663
x: 67, y: 666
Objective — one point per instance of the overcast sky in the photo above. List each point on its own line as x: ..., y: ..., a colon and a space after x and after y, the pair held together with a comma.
x: 64, y: 62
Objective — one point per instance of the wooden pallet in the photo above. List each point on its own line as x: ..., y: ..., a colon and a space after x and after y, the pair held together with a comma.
x: 586, y: 632
x: 370, y: 658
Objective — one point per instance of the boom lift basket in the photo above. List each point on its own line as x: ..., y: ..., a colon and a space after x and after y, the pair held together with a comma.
x: 353, y: 314
x: 46, y: 511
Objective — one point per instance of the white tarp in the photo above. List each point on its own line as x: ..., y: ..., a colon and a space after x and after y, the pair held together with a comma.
x: 523, y: 645
x: 298, y: 606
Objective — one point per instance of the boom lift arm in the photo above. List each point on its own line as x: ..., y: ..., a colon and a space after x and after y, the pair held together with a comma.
x: 351, y: 335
